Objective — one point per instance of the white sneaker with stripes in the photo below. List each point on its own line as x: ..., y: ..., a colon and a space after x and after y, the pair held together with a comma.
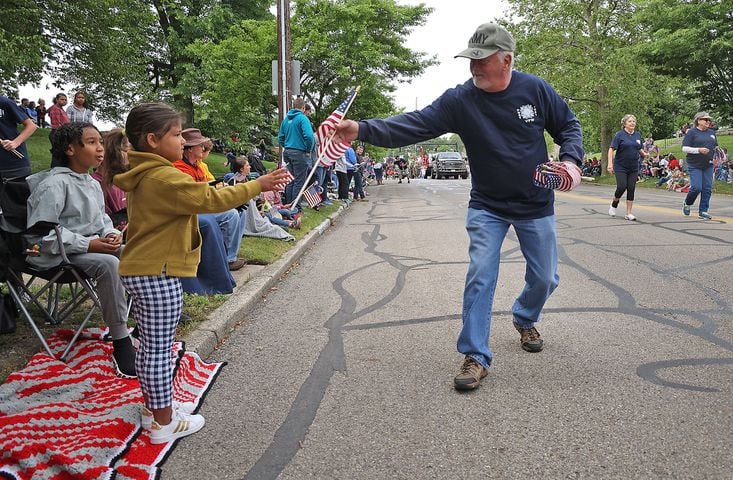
x: 182, y: 425
x: 146, y: 416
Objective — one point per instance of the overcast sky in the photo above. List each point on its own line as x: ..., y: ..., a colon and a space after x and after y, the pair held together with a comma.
x: 444, y: 34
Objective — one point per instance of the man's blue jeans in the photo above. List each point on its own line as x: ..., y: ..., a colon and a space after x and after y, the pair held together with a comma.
x: 486, y: 232
x: 321, y: 177
x: 299, y: 165
x: 231, y: 223
x: 701, y: 183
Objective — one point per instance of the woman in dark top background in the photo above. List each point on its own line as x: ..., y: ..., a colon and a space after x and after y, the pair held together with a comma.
x: 627, y: 145
x: 699, y: 145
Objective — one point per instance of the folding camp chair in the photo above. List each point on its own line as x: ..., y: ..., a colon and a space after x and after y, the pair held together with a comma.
x: 19, y: 276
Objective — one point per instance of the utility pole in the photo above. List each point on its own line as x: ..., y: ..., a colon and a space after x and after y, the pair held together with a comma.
x: 284, y: 94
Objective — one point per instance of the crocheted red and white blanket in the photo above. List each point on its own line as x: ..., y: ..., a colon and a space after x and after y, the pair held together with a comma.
x: 78, y: 420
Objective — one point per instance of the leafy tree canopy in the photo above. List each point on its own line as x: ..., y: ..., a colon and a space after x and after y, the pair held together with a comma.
x: 694, y: 41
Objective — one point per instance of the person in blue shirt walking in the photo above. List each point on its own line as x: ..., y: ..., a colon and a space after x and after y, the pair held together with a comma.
x: 501, y: 116
x: 627, y: 145
x: 699, y: 145
x: 296, y: 137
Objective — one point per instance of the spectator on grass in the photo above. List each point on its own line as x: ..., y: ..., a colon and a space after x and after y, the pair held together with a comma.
x: 231, y: 222
x: 275, y: 212
x: 57, y: 114
x: 31, y: 111
x: 359, y: 195
x: 115, y: 161
x: 296, y: 138
x: 41, y: 113
x: 78, y: 111
x: 207, y: 147
x: 340, y: 168
x: 12, y: 164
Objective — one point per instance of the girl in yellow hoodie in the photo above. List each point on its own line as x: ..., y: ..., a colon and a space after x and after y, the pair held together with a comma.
x: 163, y: 243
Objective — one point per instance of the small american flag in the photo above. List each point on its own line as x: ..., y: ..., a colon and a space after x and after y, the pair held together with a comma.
x: 328, y: 151
x: 289, y: 178
x: 312, y: 195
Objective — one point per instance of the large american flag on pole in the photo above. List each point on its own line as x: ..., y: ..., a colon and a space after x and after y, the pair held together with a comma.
x: 329, y: 151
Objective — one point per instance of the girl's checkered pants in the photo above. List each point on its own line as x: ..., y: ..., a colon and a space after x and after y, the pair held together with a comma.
x: 156, y: 306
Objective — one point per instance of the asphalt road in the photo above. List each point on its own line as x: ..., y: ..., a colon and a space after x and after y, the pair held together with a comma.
x: 344, y: 371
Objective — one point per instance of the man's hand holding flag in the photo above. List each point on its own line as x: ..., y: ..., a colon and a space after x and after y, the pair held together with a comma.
x: 330, y: 148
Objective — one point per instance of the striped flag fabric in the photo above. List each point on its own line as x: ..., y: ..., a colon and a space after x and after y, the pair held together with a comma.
x: 328, y: 151
x: 312, y: 195
x: 563, y: 176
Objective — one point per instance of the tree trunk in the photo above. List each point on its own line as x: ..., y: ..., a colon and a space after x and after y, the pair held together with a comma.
x: 184, y: 104
x: 604, y: 123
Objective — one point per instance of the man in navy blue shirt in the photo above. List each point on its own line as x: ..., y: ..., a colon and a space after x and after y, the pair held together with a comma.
x: 501, y: 116
x: 14, y: 164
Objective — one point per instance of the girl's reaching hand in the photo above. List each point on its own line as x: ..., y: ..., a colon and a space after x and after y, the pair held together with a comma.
x: 275, y: 180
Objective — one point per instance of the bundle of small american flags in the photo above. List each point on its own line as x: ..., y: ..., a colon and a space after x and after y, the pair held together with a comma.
x: 563, y: 176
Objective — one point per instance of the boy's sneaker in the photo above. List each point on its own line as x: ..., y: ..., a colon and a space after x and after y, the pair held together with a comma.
x: 705, y: 216
x: 530, y: 339
x: 470, y: 375
x: 123, y: 358
x: 685, y: 207
x: 612, y: 211
x: 630, y: 217
x: 182, y: 425
x: 146, y: 416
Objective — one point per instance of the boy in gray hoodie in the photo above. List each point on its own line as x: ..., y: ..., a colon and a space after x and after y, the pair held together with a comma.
x: 68, y: 196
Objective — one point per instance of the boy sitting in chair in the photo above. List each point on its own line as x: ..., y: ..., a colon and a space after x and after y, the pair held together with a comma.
x: 69, y: 196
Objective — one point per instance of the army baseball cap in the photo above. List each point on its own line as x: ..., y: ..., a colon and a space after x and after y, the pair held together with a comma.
x: 488, y: 39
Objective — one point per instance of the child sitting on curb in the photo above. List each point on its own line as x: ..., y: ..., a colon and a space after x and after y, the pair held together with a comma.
x: 278, y: 215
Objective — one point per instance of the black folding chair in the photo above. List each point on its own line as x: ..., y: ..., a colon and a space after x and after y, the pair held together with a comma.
x: 20, y: 277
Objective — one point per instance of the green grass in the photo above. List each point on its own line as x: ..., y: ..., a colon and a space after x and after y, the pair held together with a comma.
x: 39, y: 150
x: 718, y: 187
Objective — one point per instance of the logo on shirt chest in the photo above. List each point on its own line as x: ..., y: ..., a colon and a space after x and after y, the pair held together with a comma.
x: 527, y: 113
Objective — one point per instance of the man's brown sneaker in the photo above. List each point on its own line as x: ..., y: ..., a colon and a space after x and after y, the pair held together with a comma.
x: 530, y: 340
x: 470, y: 375
x: 237, y: 264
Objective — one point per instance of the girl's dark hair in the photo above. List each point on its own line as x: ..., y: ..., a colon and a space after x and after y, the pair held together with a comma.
x: 113, y: 156
x: 66, y: 135
x: 155, y: 118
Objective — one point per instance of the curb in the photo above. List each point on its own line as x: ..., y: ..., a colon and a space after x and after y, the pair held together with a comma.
x: 252, y: 284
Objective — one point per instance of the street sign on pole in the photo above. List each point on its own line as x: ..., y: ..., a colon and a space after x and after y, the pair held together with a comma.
x: 294, y: 77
